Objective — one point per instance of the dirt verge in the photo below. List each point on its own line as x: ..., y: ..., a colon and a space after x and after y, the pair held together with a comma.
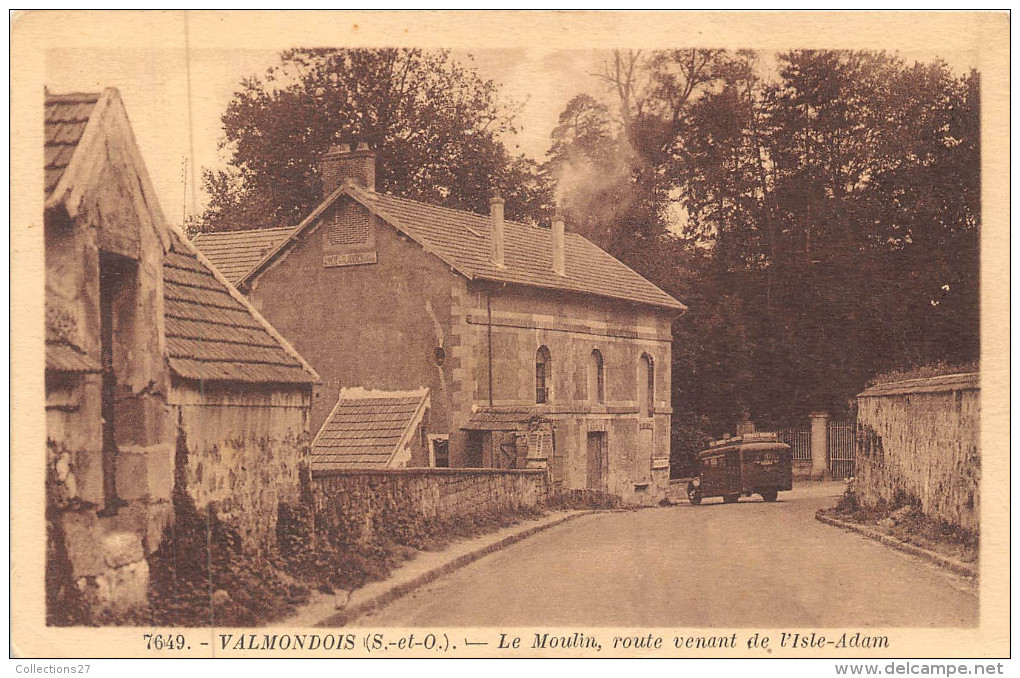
x: 904, y: 526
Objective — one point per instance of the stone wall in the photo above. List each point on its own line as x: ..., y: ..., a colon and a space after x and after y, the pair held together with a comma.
x: 677, y: 491
x: 361, y: 506
x: 246, y: 452
x: 98, y: 533
x: 918, y: 441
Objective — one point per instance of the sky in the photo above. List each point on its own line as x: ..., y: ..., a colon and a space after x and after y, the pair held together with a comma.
x: 176, y: 117
x: 175, y: 98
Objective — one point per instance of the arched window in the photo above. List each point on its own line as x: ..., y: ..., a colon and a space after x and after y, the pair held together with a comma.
x: 647, y: 385
x: 597, y: 383
x: 543, y: 375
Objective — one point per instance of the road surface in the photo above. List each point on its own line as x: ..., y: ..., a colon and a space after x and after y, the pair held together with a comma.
x: 749, y: 564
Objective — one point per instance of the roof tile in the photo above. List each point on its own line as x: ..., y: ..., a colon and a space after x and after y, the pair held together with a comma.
x: 214, y: 337
x: 365, y: 429
x: 65, y: 119
x: 211, y: 335
x: 462, y: 240
x: 61, y: 357
x: 947, y: 382
x: 235, y: 253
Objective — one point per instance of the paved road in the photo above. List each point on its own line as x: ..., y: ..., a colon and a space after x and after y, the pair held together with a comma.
x: 737, y: 565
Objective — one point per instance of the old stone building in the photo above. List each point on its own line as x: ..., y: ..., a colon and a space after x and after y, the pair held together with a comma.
x: 157, y: 371
x: 537, y: 348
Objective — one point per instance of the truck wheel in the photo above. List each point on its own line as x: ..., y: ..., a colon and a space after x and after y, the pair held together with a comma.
x: 731, y: 498
x: 769, y: 495
x: 694, y: 495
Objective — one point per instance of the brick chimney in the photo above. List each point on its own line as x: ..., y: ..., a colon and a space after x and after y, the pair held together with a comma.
x: 559, y: 262
x: 340, y: 164
x: 498, y: 230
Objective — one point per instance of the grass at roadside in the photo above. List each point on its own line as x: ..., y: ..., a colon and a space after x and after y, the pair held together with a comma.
x: 904, y: 520
x: 200, y: 577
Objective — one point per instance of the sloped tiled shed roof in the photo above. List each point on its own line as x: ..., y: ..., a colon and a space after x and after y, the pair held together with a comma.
x: 65, y: 118
x: 462, y: 240
x: 62, y: 357
x: 367, y: 429
x: 212, y: 335
x: 236, y: 253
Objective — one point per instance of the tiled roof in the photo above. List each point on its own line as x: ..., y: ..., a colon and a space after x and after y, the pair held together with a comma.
x: 66, y: 116
x: 461, y: 239
x: 61, y: 357
x: 367, y: 429
x: 236, y: 253
x: 211, y: 335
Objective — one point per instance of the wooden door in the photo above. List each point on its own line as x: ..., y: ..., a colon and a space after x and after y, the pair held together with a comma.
x: 643, y: 456
x: 473, y: 450
x: 597, y: 462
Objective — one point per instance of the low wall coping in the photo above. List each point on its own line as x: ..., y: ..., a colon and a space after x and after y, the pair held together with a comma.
x: 332, y: 473
x: 950, y: 382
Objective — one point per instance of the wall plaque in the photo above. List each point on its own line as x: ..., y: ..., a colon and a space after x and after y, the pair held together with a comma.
x: 350, y: 259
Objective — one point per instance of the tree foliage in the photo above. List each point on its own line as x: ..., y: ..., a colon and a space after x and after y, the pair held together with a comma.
x: 822, y: 228
x: 434, y: 123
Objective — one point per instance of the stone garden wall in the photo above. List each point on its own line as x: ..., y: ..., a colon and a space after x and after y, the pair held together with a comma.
x: 362, y: 506
x: 918, y: 441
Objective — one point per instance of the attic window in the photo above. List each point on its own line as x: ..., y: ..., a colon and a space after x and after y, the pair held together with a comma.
x: 350, y: 225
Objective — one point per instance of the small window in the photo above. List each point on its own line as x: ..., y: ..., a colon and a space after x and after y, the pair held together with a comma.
x: 439, y: 356
x: 648, y: 385
x: 441, y: 452
x: 543, y: 375
x: 597, y: 371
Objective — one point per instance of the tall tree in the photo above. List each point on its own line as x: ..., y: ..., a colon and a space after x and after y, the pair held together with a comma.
x: 822, y: 228
x: 840, y: 206
x: 435, y: 125
x: 592, y: 167
x: 607, y: 162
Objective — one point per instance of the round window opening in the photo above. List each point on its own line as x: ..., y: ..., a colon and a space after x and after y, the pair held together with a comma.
x: 439, y: 355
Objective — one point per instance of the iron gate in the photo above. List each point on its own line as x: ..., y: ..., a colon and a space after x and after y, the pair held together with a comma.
x: 842, y: 449
x: 799, y: 441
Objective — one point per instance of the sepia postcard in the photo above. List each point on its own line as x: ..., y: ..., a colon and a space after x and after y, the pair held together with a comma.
x: 510, y: 334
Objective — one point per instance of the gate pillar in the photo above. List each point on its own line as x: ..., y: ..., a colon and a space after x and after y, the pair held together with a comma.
x: 819, y: 445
